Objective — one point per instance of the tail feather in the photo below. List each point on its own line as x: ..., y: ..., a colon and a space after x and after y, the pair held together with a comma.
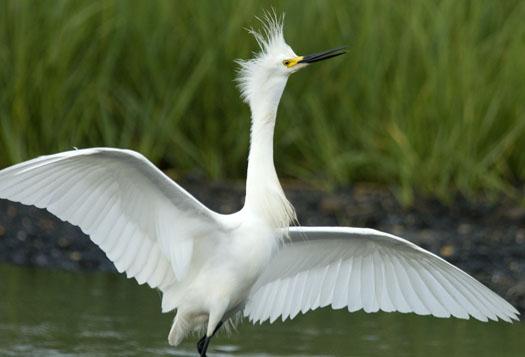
x: 179, y: 330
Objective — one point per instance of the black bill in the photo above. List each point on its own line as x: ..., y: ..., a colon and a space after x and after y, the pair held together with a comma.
x: 323, y: 55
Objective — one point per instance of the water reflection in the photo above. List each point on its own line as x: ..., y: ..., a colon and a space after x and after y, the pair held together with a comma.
x: 56, y: 313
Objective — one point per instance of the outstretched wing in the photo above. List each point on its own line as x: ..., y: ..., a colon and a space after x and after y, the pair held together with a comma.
x: 144, y: 222
x: 366, y: 269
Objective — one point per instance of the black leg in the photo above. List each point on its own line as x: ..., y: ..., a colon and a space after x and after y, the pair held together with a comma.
x: 202, y: 344
x: 219, y: 325
x: 205, y: 346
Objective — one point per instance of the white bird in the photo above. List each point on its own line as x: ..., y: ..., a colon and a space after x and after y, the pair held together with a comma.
x: 212, y: 267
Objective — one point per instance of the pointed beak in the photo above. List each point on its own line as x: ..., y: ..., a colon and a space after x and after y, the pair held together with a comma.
x: 316, y: 57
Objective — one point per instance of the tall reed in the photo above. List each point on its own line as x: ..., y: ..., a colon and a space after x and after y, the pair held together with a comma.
x: 430, y: 98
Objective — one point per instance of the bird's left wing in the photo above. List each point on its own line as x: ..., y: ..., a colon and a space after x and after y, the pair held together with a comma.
x: 144, y: 222
x: 361, y: 268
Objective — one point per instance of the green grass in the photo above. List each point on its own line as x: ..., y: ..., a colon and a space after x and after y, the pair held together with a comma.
x: 430, y: 98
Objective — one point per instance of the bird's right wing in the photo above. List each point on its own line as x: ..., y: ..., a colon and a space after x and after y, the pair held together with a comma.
x: 144, y: 222
x: 361, y: 268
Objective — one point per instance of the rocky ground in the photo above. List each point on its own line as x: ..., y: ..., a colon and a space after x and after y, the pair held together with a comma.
x: 485, y: 239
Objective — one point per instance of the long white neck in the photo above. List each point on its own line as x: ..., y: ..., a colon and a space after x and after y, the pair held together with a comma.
x: 264, y: 194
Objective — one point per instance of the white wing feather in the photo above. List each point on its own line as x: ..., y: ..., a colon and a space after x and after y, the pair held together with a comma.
x: 144, y: 222
x: 366, y: 269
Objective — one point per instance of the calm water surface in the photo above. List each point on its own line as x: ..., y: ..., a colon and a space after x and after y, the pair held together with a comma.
x: 56, y: 313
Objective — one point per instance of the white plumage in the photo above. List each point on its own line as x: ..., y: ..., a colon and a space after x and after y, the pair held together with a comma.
x: 210, y: 266
x: 360, y: 268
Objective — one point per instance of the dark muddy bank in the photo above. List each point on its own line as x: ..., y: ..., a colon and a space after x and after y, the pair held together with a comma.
x: 485, y: 239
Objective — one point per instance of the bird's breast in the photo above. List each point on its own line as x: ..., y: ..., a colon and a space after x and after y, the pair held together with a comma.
x: 231, y: 269
x: 250, y: 252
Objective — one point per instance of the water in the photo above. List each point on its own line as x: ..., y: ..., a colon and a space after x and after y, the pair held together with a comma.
x: 57, y: 313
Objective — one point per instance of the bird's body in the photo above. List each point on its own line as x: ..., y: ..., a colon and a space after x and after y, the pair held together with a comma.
x: 218, y: 286
x: 212, y: 267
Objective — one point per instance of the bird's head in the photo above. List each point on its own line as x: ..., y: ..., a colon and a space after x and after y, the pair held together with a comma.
x: 267, y: 73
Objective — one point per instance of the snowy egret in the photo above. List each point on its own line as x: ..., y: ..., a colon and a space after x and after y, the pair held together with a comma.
x: 212, y: 268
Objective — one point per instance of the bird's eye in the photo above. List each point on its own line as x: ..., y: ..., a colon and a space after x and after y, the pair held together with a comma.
x: 286, y: 62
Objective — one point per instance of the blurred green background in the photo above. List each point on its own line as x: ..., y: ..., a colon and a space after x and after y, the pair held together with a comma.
x: 430, y: 98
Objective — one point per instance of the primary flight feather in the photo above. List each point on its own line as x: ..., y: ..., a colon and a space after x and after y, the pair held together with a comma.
x: 211, y: 267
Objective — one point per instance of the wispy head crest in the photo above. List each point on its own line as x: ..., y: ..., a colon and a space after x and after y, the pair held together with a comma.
x: 271, y: 33
x: 269, y: 38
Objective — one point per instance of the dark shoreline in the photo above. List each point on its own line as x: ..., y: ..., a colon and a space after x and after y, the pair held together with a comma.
x: 485, y: 239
